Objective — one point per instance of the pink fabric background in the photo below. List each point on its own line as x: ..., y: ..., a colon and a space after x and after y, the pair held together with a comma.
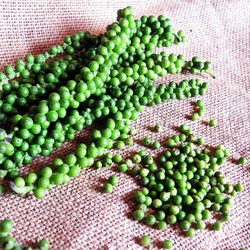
x: 78, y: 216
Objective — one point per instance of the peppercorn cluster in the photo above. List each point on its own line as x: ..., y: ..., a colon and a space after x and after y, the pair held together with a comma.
x: 105, y: 79
x: 183, y: 185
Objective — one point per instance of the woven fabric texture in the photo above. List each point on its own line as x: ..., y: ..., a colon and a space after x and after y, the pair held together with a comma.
x: 78, y: 216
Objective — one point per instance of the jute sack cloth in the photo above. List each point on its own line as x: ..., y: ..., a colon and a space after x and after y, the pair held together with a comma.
x: 78, y: 216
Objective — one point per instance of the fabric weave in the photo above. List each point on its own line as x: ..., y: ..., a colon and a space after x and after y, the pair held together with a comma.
x: 78, y: 216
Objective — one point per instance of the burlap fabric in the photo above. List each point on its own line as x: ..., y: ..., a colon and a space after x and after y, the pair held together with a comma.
x: 78, y: 216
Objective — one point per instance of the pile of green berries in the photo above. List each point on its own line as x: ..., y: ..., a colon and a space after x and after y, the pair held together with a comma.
x: 183, y: 185
x: 105, y: 79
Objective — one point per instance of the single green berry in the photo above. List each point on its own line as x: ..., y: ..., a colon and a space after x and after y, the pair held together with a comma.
x: 238, y: 187
x: 145, y: 241
x: 146, y: 142
x: 156, y: 145
x: 242, y: 160
x: 217, y: 226
x: 107, y: 188
x: 138, y: 214
x: 167, y: 244
x: 190, y: 233
x: 43, y: 244
x: 212, y: 123
x: 6, y: 226
x: 195, y: 116
x: 157, y: 128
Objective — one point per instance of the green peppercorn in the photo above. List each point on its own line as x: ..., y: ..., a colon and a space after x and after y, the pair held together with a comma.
x: 39, y: 193
x: 117, y: 158
x: 123, y: 168
x: 6, y: 226
x: 156, y: 145
x: 170, y: 143
x: 195, y: 116
x: 113, y: 180
x: 136, y: 158
x: 7, y: 243
x: 157, y: 128
x: 107, y: 188
x: 43, y: 244
x: 145, y: 241
x: 217, y: 226
x: 200, y: 103
x: 242, y: 160
x: 200, y: 141
x: 212, y: 123
x: 150, y: 220
x: 190, y: 233
x: 146, y: 142
x: 200, y: 225
x: 138, y: 215
x: 167, y: 244
x: 238, y: 187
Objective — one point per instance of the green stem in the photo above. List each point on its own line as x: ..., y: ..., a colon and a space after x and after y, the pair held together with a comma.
x: 21, y: 190
x: 211, y: 74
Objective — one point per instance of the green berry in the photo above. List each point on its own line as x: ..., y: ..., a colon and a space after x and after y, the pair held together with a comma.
x: 145, y: 241
x: 190, y: 233
x: 123, y: 168
x: 43, y: 244
x: 157, y: 128
x: 113, y: 180
x: 212, y: 123
x: 162, y: 225
x: 238, y: 187
x: 146, y: 142
x: 19, y: 182
x: 117, y: 158
x: 107, y: 188
x: 156, y: 145
x: 195, y: 116
x: 217, y: 226
x: 39, y: 193
x: 6, y: 226
x: 167, y: 244
x: 138, y: 215
x: 242, y: 160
